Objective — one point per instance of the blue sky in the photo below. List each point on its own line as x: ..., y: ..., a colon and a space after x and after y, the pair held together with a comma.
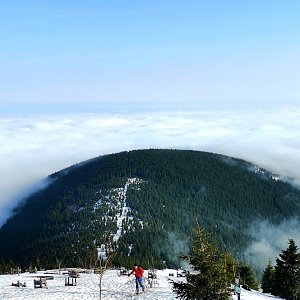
x: 59, y: 56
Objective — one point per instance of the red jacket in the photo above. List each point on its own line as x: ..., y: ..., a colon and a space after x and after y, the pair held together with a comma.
x: 138, y: 271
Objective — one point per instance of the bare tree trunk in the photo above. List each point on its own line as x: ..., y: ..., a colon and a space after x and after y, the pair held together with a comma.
x: 100, y: 287
x: 103, y: 266
x: 104, y: 261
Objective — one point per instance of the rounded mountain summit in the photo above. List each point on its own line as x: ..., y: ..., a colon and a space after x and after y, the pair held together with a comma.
x: 143, y: 205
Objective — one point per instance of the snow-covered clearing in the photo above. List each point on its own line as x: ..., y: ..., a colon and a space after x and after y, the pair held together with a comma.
x: 115, y: 287
x: 124, y: 210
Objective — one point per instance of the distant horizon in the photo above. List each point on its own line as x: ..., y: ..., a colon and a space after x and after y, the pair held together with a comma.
x: 21, y: 109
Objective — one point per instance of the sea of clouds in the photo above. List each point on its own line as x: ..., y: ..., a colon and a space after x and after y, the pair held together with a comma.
x: 34, y: 146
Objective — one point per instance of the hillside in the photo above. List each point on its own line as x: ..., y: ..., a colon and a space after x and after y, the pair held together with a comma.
x: 145, y: 202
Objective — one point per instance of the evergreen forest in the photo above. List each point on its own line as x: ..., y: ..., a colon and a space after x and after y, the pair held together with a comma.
x: 143, y: 206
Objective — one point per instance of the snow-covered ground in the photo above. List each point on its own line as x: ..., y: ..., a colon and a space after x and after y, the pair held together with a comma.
x: 115, y: 287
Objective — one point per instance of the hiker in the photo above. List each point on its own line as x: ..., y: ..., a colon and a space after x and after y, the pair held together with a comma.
x: 138, y: 272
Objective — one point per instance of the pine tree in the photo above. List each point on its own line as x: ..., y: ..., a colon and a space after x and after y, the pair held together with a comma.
x: 267, y: 281
x: 210, y: 281
x: 247, y: 276
x: 287, y: 273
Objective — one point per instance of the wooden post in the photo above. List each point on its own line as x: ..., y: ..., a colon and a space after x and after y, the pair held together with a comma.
x: 72, y: 283
x: 238, y: 289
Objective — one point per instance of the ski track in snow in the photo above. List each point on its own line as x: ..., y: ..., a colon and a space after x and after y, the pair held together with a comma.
x: 124, y: 211
x: 124, y: 208
x: 114, y: 287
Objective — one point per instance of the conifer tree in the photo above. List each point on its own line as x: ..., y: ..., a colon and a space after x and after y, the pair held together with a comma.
x: 248, y: 279
x: 267, y: 282
x: 210, y: 281
x: 287, y: 273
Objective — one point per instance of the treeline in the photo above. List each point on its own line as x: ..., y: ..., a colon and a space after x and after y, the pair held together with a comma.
x: 71, y: 218
x: 283, y: 279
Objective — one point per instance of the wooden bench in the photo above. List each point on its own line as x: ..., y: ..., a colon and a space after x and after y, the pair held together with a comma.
x: 124, y: 271
x: 180, y: 273
x: 152, y: 273
x: 70, y: 281
x: 40, y: 283
x: 19, y: 284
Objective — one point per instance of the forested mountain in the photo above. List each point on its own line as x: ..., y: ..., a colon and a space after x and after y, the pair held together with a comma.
x: 144, y: 203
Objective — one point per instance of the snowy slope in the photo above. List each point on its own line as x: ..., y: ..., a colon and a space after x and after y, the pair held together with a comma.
x: 115, y: 287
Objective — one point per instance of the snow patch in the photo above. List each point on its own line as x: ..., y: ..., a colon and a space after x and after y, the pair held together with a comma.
x: 122, y: 216
x: 115, y: 287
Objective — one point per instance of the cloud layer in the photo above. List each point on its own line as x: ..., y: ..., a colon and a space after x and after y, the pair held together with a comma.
x: 270, y: 240
x: 33, y: 147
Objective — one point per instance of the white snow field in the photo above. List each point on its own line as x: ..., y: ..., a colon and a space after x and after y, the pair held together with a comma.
x: 115, y: 287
